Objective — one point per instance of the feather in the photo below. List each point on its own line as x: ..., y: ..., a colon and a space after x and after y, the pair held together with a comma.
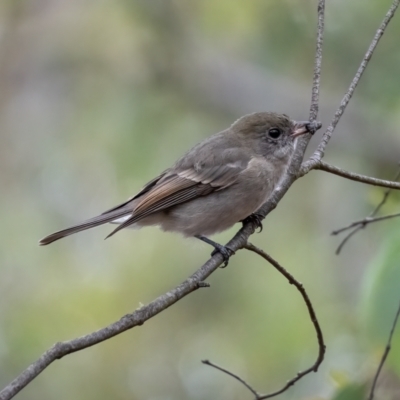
x: 90, y: 223
x: 186, y: 185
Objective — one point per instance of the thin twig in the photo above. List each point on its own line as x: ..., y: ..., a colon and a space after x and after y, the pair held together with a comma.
x: 237, y: 377
x: 347, y: 238
x: 295, y: 165
x: 359, y: 225
x: 385, y: 196
x: 323, y: 166
x: 385, y: 354
x: 314, y: 107
x: 364, y: 222
x: 313, y: 317
x: 320, y: 151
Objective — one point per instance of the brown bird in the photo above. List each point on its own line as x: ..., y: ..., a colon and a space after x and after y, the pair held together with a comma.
x: 220, y: 181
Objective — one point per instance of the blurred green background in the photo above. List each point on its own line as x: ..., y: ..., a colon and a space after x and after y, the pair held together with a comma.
x: 96, y: 98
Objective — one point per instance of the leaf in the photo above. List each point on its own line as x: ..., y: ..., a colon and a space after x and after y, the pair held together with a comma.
x: 354, y: 391
x: 381, y: 297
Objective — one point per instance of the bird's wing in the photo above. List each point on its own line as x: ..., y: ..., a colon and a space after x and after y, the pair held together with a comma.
x: 144, y: 190
x: 181, y: 185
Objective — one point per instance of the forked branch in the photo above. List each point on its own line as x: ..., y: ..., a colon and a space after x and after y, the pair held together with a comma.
x: 314, y: 320
x: 361, y: 224
x: 320, y: 151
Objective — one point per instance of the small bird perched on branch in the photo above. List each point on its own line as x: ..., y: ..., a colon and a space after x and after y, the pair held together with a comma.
x: 220, y: 181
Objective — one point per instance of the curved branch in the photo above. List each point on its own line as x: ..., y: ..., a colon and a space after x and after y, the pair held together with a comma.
x: 237, y: 377
x: 313, y: 317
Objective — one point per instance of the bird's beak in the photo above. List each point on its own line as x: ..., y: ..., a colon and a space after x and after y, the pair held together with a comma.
x: 300, y: 128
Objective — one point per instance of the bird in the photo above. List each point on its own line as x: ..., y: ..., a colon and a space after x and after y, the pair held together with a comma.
x: 220, y: 181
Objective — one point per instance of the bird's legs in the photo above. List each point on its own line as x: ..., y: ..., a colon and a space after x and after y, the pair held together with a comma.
x: 225, y: 251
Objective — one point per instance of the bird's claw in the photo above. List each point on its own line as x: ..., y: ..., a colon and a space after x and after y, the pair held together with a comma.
x: 255, y: 219
x: 226, y: 253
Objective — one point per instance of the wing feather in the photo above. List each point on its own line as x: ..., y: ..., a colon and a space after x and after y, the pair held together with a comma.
x: 144, y: 190
x: 180, y: 186
x: 163, y: 191
x: 174, y: 199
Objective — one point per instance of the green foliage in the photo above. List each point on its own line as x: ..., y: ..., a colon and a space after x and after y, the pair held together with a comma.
x: 381, y: 298
x: 351, y: 392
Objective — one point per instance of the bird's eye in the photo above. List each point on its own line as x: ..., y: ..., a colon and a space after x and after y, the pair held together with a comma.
x: 274, y: 133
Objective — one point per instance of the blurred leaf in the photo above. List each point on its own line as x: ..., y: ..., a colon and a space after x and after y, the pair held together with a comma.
x: 381, y: 298
x: 354, y: 391
x: 340, y: 378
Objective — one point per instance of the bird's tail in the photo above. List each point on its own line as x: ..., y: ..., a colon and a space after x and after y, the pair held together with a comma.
x: 90, y: 223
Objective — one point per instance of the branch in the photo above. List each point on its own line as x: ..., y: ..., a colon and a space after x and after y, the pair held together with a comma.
x: 313, y: 317
x: 129, y: 321
x: 358, y: 225
x: 323, y: 166
x: 237, y: 377
x: 364, y: 222
x: 347, y: 238
x: 320, y: 151
x: 314, y: 108
x: 385, y: 354
x: 292, y: 172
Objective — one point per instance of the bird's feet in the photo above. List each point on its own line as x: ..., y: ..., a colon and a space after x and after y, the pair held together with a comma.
x: 255, y: 219
x: 225, y: 251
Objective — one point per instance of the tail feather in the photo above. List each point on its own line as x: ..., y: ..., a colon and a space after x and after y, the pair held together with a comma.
x: 90, y: 223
